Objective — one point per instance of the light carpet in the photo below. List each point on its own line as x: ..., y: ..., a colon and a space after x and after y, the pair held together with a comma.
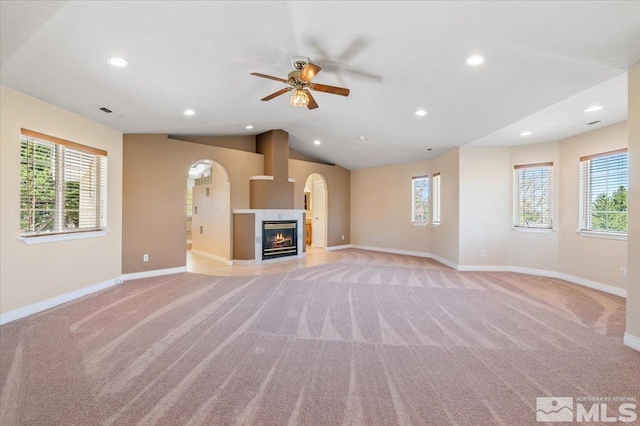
x: 374, y: 339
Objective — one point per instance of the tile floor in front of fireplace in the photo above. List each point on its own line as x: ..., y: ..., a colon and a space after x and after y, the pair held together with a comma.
x: 199, y: 264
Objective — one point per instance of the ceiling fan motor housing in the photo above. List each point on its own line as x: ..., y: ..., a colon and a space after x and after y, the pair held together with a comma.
x: 298, y: 62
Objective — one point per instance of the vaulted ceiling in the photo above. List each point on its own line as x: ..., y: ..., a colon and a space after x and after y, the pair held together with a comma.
x: 545, y: 63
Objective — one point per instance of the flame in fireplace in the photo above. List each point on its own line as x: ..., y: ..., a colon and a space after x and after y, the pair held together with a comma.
x: 279, y: 239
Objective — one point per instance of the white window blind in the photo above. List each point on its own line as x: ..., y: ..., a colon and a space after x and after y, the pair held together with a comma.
x: 419, y: 199
x: 436, y: 197
x: 63, y: 186
x: 604, y: 182
x: 532, y: 184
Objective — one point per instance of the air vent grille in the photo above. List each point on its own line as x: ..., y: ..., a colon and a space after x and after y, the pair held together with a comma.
x: 105, y: 109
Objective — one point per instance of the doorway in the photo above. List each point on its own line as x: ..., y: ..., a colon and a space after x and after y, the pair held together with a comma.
x: 208, y: 211
x: 316, y: 205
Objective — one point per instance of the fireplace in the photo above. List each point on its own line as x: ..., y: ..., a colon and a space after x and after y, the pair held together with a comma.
x: 279, y: 239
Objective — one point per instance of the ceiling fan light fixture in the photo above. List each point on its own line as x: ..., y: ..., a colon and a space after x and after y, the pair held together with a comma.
x: 299, y: 98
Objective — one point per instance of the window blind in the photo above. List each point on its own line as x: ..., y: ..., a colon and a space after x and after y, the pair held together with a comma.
x: 532, y: 185
x: 62, y: 186
x: 436, y: 197
x: 603, y: 192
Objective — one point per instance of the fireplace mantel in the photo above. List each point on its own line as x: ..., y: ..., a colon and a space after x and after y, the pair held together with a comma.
x: 261, y: 215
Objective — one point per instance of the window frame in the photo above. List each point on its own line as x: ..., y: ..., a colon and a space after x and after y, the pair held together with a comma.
x: 585, y: 194
x: 414, y: 179
x: 69, y: 157
x: 436, y: 193
x: 518, y: 224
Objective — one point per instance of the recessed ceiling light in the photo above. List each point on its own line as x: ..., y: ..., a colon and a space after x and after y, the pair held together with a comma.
x: 362, y: 138
x: 118, y: 62
x: 526, y: 133
x: 317, y: 142
x: 594, y: 108
x: 189, y: 112
x: 475, y: 60
x: 421, y: 113
x: 249, y: 127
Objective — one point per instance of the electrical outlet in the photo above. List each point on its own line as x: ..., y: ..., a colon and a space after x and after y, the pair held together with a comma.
x: 372, y: 239
x: 343, y: 238
x: 483, y: 253
x: 145, y: 257
x: 623, y: 272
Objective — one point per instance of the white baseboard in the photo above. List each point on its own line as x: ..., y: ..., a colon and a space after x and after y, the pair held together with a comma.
x: 617, y: 291
x: 533, y: 271
x: 342, y: 247
x: 213, y: 256
x: 483, y: 268
x: 444, y: 261
x: 55, y: 301
x: 632, y: 341
x: 155, y: 273
x: 393, y: 251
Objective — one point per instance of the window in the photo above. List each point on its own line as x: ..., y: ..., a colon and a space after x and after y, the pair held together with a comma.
x: 532, y: 185
x: 436, y: 198
x: 420, y: 199
x: 603, y: 192
x: 62, y: 186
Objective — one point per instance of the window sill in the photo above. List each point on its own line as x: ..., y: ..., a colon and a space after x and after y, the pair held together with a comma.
x: 533, y: 230
x: 605, y: 235
x: 62, y: 237
x: 419, y: 223
x: 436, y: 224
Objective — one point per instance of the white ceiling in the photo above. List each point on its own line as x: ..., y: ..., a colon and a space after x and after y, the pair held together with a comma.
x: 395, y: 57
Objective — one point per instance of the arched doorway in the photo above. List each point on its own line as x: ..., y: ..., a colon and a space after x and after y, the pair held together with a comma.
x: 208, y: 210
x: 316, y: 205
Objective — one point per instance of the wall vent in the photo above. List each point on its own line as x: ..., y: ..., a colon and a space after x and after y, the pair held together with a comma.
x: 105, y: 109
x: 593, y: 122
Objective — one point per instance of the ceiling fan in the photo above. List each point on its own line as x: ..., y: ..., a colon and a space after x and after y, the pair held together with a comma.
x: 300, y: 81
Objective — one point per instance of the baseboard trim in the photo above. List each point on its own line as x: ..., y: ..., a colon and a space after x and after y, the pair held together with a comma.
x: 445, y: 262
x: 483, y: 268
x: 533, y: 271
x: 393, y: 251
x: 154, y: 273
x: 632, y: 341
x: 617, y: 291
x: 213, y: 256
x: 342, y: 247
x: 55, y: 301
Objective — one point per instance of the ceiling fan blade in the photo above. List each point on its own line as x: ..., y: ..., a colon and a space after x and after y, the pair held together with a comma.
x: 312, y: 102
x: 330, y: 89
x: 309, y: 71
x: 278, y: 93
x: 257, y: 74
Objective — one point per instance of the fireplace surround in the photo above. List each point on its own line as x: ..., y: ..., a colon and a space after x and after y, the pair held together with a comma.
x: 248, y: 234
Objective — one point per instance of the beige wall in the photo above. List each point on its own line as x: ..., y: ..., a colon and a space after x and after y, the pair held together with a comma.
x: 484, y: 205
x: 594, y: 259
x: 154, y: 195
x: 33, y: 273
x: 535, y: 250
x: 338, y: 181
x: 446, y: 236
x: 381, y: 208
x: 633, y: 255
x: 213, y: 215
